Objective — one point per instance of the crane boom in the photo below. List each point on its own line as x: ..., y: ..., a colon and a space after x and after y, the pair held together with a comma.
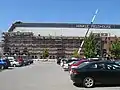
x: 88, y: 30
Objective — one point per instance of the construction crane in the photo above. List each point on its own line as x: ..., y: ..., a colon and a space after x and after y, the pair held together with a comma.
x: 89, y: 26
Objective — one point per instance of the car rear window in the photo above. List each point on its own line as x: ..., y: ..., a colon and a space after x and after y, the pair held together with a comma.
x: 4, y: 60
x: 83, y: 64
x: 75, y: 62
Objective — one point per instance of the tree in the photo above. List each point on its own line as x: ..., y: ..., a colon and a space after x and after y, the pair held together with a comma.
x: 76, y: 54
x: 90, y: 46
x: 45, y: 53
x: 115, y: 49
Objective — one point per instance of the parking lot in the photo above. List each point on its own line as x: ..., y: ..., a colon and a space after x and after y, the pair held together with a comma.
x: 41, y: 76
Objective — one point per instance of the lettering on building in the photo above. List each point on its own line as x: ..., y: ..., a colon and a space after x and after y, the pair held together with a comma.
x: 94, y: 26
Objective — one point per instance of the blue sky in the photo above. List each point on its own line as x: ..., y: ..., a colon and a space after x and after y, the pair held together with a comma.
x: 79, y: 11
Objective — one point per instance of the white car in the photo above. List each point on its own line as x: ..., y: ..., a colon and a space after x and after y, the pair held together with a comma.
x: 14, y: 63
x: 61, y: 64
x: 66, y: 66
x: 63, y: 61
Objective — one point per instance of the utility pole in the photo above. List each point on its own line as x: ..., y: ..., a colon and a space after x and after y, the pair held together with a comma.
x: 88, y: 31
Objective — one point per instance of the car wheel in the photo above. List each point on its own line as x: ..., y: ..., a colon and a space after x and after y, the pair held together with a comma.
x: 6, y: 67
x: 14, y: 65
x: 88, y: 82
x: 2, y: 67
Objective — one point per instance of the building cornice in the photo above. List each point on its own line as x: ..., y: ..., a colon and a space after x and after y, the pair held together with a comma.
x: 64, y: 25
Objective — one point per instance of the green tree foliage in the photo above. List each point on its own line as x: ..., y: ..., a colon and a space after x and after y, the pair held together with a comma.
x: 90, y: 46
x: 76, y: 54
x: 45, y: 53
x: 115, y: 49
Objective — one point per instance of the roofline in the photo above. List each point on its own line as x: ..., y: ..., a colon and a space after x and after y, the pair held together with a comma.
x: 63, y: 25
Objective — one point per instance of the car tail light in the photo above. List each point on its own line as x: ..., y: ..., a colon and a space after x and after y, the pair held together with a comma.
x: 75, y: 72
x: 20, y: 61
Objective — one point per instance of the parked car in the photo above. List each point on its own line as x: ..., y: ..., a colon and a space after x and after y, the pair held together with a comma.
x: 97, y: 72
x: 67, y: 65
x: 13, y: 62
x: 28, y: 61
x: 31, y: 61
x: 25, y: 62
x: 63, y: 61
x: 67, y: 60
x: 7, y: 61
x: 21, y: 61
x: 58, y: 61
x: 4, y: 63
x: 76, y: 64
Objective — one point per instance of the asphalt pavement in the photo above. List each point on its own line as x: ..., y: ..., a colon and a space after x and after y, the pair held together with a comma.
x: 41, y: 76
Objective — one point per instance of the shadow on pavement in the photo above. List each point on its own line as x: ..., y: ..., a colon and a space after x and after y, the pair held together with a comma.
x: 99, y: 85
x: 108, y: 85
x: 77, y: 85
x: 10, y: 68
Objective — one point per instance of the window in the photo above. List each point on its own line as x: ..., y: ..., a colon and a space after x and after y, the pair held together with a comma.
x: 50, y: 57
x: 83, y: 64
x: 105, y: 41
x: 101, y: 66
x: 35, y: 57
x: 32, y: 57
x: 98, y: 66
x: 53, y: 57
x: 41, y: 57
x: 113, y: 66
x: 93, y: 66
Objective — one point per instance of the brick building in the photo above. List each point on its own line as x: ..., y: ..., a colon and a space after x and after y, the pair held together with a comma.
x: 61, y: 39
x: 25, y: 42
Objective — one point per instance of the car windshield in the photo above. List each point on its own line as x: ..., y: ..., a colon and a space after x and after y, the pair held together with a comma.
x: 83, y: 64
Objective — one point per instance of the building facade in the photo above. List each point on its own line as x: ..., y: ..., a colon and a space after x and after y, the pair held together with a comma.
x: 61, y: 39
x: 21, y: 43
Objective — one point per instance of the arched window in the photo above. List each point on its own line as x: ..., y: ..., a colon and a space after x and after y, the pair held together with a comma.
x: 50, y: 57
x: 35, y: 57
x: 41, y: 57
x: 32, y: 57
x: 53, y: 57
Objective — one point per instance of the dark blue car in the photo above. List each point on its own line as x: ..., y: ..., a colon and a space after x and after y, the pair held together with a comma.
x: 4, y: 63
